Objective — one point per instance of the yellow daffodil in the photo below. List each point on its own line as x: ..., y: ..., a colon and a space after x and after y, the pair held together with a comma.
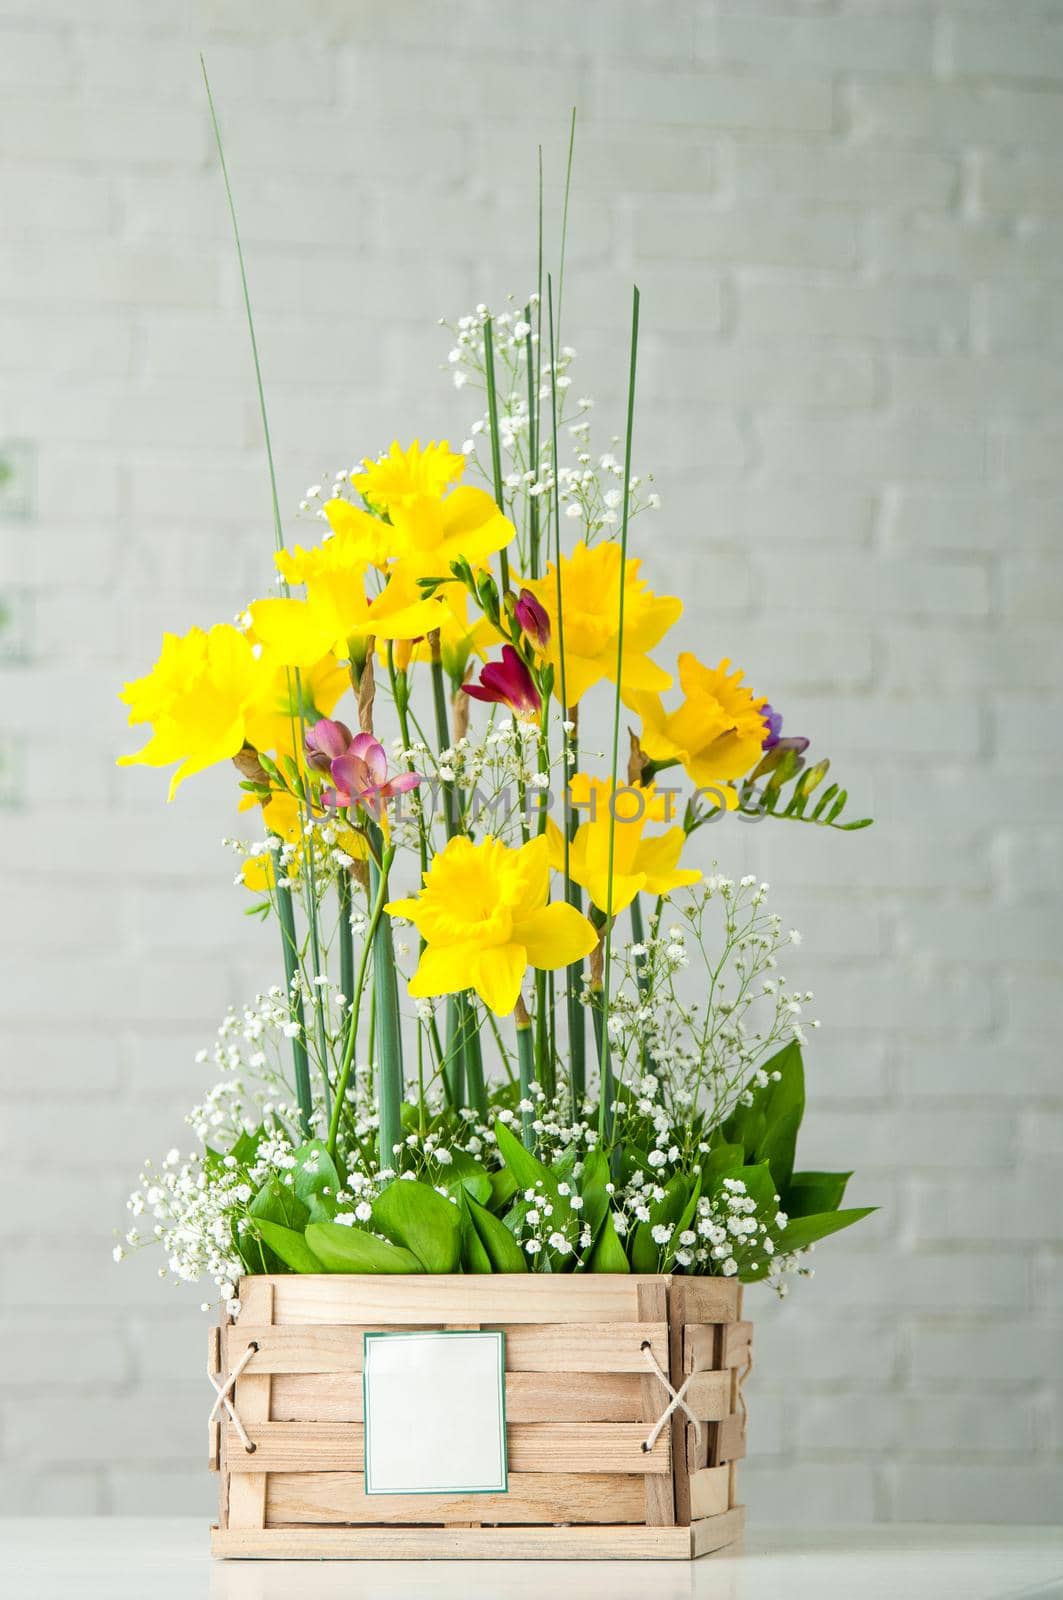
x: 358, y: 541
x: 200, y: 697
x: 638, y: 862
x: 716, y: 733
x: 404, y: 475
x: 429, y: 533
x: 484, y: 917
x: 336, y: 612
x: 590, y: 603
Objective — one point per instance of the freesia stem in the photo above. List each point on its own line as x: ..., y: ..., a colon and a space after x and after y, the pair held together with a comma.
x: 356, y: 1003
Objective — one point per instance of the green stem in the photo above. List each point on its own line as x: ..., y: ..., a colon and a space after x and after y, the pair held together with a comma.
x: 474, y: 1066
x: 454, y: 1058
x: 605, y: 1068
x: 525, y: 1068
x: 346, y: 940
x: 638, y: 933
x: 358, y: 986
x: 286, y: 918
x: 496, y: 443
x: 439, y: 700
x: 531, y: 362
x: 386, y: 991
x: 503, y: 1054
x: 577, y: 1032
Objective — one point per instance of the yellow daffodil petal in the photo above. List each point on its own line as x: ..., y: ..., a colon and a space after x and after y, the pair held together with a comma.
x: 496, y: 975
x: 442, y: 970
x: 659, y: 860
x: 403, y: 475
x: 555, y: 936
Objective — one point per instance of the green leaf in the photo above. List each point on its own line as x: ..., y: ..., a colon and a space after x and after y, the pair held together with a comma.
x: 342, y: 1249
x: 527, y: 1170
x: 725, y: 1161
x: 290, y: 1246
x: 245, y: 1147
x: 593, y: 1191
x: 464, y: 1172
x: 315, y: 1172
x: 413, y: 1215
x: 608, y: 1253
x: 503, y: 1188
x: 502, y: 1250
x: 275, y: 1202
x: 768, y: 1126
x: 645, y: 1251
x: 809, y: 1193
x: 474, y: 1257
x: 803, y: 1231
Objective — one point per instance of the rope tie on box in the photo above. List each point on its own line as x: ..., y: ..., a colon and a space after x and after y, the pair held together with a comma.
x: 223, y: 1391
x: 675, y: 1403
x: 742, y: 1376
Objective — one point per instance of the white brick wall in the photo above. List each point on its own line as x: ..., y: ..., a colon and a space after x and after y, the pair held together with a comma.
x: 846, y: 219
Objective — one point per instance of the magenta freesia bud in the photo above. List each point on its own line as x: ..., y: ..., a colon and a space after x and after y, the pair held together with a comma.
x: 360, y: 774
x: 509, y: 683
x: 533, y: 619
x: 325, y: 742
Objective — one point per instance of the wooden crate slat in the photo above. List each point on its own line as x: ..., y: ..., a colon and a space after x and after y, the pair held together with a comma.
x: 707, y: 1299
x: 727, y: 1440
x: 659, y: 1508
x: 247, y: 1489
x: 434, y: 1299
x: 736, y: 1344
x: 530, y: 1397
x: 533, y: 1447
x: 713, y: 1533
x: 613, y: 1543
x: 547, y: 1497
x: 709, y: 1492
x: 530, y: 1347
x: 701, y: 1348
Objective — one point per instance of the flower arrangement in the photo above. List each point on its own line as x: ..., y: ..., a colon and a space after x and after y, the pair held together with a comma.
x: 520, y: 1027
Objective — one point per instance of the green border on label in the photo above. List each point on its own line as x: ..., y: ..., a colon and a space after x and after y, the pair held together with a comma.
x: 439, y: 1333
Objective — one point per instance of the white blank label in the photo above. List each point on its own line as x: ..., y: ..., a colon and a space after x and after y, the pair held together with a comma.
x: 435, y: 1416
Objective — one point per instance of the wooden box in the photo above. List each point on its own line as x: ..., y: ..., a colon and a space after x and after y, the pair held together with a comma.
x: 581, y: 1400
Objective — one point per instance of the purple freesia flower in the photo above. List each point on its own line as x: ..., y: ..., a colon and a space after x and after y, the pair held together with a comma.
x: 509, y: 683
x: 773, y: 725
x: 533, y: 619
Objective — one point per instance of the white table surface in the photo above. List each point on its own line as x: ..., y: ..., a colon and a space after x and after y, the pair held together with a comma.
x: 167, y: 1559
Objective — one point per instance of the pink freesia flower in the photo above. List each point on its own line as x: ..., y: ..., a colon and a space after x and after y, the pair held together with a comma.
x: 358, y: 767
x: 509, y: 683
x: 326, y: 741
x: 533, y: 619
